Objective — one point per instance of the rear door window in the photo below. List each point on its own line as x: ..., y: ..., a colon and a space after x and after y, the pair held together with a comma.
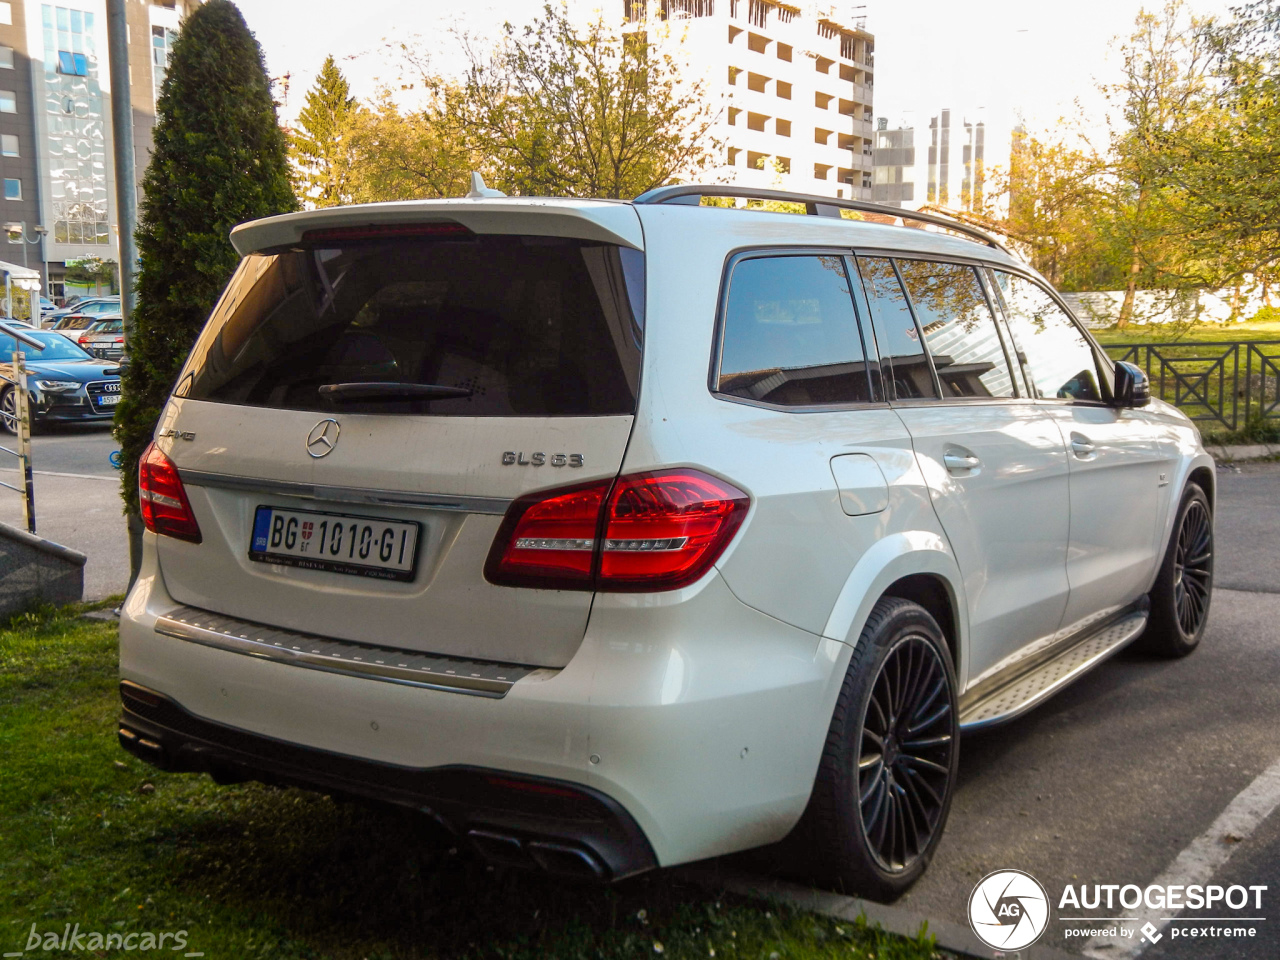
x: 1058, y: 356
x: 468, y: 325
x: 903, y: 364
x: 790, y: 335
x: 959, y: 329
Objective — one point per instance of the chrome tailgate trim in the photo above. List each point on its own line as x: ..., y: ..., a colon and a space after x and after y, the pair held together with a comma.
x: 433, y: 672
x: 309, y: 491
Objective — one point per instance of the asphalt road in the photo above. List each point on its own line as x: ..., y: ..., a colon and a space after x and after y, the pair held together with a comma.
x: 77, y: 501
x: 1109, y: 781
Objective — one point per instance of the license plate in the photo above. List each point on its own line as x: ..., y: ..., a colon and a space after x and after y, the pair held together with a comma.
x: 108, y: 399
x: 359, y: 546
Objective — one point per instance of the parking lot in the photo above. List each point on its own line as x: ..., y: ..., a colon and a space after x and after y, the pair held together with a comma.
x: 1109, y: 781
x: 77, y: 501
x: 1106, y: 783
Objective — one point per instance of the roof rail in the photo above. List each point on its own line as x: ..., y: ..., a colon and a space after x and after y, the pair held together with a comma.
x: 691, y: 194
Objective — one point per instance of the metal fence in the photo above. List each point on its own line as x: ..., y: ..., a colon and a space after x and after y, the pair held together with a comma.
x: 19, y: 418
x: 1230, y: 384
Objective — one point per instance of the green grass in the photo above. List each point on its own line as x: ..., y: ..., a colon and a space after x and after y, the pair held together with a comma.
x: 1199, y: 333
x: 91, y: 836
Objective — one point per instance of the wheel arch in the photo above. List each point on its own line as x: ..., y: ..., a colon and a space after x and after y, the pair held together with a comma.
x: 913, y: 565
x: 1204, y: 477
x: 932, y: 592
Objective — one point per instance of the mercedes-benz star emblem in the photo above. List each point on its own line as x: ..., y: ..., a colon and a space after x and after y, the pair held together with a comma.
x: 323, y: 438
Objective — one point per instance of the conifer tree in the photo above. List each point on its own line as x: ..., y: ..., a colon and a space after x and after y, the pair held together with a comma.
x: 219, y: 159
x: 321, y: 145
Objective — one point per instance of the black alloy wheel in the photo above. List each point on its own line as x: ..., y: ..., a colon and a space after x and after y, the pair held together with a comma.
x: 1183, y: 590
x: 904, y: 769
x: 1193, y: 568
x: 888, y: 770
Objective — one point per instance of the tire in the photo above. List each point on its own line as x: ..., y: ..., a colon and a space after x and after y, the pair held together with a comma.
x: 878, y: 846
x: 1183, y: 589
x: 9, y: 406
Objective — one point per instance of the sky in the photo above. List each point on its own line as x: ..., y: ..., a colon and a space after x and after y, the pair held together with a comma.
x: 1027, y: 60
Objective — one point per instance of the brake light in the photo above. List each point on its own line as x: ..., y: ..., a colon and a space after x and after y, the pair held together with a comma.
x: 643, y: 532
x: 665, y: 530
x: 549, y: 539
x: 164, y: 504
x: 385, y: 231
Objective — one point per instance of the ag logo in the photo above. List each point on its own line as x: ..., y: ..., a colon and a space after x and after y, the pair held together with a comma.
x: 1008, y: 910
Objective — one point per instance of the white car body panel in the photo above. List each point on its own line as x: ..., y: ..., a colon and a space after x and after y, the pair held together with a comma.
x: 702, y: 711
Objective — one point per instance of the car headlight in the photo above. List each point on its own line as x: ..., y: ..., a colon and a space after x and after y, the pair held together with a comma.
x: 57, y: 386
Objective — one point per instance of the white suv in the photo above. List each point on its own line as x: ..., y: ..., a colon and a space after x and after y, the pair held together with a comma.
x: 623, y: 534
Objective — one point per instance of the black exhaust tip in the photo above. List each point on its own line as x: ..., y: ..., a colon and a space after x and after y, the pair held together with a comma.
x: 566, y: 860
x: 142, y: 748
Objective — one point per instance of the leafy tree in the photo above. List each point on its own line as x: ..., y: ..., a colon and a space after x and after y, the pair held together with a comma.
x: 321, y: 146
x: 1163, y: 81
x: 95, y: 271
x: 219, y: 160
x: 407, y: 156
x: 592, y: 114
x: 1055, y: 205
x: 1227, y: 164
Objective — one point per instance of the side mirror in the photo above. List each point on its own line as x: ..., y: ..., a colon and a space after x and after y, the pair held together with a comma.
x: 1132, y: 389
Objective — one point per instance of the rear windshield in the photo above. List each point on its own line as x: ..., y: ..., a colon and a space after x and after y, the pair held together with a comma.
x: 476, y: 326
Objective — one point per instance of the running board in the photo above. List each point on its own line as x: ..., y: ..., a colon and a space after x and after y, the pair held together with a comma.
x: 1021, y: 694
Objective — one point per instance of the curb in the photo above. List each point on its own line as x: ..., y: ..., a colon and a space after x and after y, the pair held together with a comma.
x: 1236, y: 453
x: 952, y: 937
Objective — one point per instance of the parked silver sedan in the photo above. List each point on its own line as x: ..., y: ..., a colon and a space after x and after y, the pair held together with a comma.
x: 105, y: 338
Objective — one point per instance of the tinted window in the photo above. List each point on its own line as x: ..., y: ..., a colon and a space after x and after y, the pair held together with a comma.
x: 959, y: 328
x: 474, y: 326
x: 1058, y: 356
x: 790, y: 333
x: 902, y: 359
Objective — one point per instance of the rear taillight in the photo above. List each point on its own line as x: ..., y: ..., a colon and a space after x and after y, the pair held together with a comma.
x: 549, y: 539
x: 643, y: 532
x: 165, y: 508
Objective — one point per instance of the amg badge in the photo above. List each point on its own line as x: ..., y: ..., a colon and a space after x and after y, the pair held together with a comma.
x: 511, y: 458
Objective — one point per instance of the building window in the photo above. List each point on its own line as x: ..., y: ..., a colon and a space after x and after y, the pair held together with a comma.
x: 74, y: 127
x: 12, y: 189
x: 783, y: 127
x: 14, y: 232
x: 6, y: 58
x: 73, y: 64
x: 6, y: 12
x: 162, y: 47
x: 8, y: 101
x: 9, y: 145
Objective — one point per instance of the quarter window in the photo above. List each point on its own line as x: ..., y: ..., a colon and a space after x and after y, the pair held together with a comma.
x: 902, y: 361
x: 959, y: 329
x: 790, y: 333
x: 1059, y: 358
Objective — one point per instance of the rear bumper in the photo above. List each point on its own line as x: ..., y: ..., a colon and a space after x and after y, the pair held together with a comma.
x: 698, y: 718
x: 561, y: 827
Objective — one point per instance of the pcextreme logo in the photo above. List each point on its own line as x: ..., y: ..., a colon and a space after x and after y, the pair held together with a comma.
x: 1008, y: 910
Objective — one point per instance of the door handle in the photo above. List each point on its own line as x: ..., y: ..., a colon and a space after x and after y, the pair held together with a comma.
x: 961, y: 463
x: 1083, y: 447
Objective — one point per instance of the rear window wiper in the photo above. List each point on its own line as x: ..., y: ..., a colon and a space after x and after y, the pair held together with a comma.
x: 381, y: 390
